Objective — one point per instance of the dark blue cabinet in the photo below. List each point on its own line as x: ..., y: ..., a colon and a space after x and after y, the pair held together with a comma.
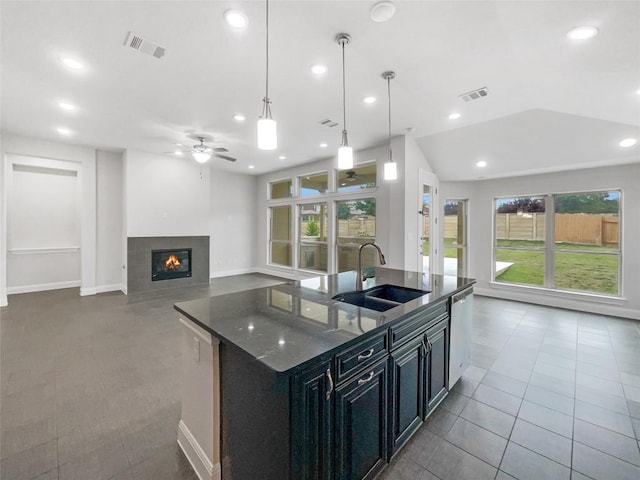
x: 437, y: 364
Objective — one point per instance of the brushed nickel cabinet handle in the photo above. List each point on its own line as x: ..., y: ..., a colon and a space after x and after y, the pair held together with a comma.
x: 364, y: 356
x: 330, y: 391
x: 362, y: 381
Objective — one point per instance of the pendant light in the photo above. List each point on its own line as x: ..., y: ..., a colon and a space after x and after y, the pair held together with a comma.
x: 345, y: 152
x: 390, y: 167
x: 267, y: 134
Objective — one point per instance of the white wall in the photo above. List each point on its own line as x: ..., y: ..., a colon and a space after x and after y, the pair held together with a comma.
x: 43, y: 224
x: 165, y: 196
x: 480, y: 238
x: 232, y: 223
x: 86, y: 159
x: 109, y: 225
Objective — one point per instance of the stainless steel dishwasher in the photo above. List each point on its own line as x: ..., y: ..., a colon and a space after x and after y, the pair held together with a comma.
x: 460, y: 349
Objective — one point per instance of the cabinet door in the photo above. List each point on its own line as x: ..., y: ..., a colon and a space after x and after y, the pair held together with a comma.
x: 437, y: 363
x: 408, y: 376
x: 361, y: 424
x: 311, y: 424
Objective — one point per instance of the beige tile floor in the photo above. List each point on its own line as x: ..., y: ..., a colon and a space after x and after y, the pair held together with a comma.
x: 90, y: 390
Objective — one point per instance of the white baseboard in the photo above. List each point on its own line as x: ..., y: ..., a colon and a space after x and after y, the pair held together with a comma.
x: 42, y: 287
x: 228, y: 273
x: 557, y: 301
x: 196, y: 456
x: 3, y: 301
x: 84, y: 291
x: 109, y: 288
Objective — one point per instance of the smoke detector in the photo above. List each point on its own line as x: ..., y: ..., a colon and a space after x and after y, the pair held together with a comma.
x: 136, y: 42
x: 382, y: 11
x: 474, y: 94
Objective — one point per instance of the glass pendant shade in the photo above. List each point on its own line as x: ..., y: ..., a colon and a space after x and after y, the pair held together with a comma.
x: 390, y: 170
x: 201, y: 157
x: 345, y: 157
x: 267, y: 134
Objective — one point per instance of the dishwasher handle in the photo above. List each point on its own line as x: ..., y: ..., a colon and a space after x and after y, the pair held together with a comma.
x: 461, y: 297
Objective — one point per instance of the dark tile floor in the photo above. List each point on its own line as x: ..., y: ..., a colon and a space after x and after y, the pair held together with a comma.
x: 90, y: 390
x: 552, y: 394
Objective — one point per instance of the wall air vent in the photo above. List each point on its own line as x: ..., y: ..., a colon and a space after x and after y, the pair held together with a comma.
x: 474, y: 94
x: 138, y: 43
x: 327, y: 122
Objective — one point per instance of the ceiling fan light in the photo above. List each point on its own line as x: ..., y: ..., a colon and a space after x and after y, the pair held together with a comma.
x: 201, y: 157
x: 345, y: 157
x: 391, y: 170
x: 267, y: 134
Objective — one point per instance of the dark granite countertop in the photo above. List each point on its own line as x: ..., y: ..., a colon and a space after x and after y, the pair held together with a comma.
x: 287, y: 325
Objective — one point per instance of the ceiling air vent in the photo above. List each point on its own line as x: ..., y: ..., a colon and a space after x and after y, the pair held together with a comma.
x: 138, y: 43
x: 327, y: 122
x: 474, y: 94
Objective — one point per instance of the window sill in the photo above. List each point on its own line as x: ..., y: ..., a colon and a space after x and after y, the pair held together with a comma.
x: 566, y: 294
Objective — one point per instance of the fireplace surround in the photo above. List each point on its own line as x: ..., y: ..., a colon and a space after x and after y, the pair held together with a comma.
x: 191, y: 253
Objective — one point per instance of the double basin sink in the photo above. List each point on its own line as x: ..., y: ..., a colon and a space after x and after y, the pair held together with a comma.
x: 380, y: 298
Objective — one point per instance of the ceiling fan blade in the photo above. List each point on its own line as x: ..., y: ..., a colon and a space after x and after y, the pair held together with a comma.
x: 224, y: 157
x: 219, y: 149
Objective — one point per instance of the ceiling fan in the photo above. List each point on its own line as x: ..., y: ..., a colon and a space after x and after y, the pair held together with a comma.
x: 201, y: 152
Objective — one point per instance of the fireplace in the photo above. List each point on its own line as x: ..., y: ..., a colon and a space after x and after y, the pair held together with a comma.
x: 171, y: 263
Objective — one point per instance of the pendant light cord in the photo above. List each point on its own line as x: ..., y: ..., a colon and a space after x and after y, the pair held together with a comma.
x: 267, y: 51
x: 344, y: 102
x: 389, y: 96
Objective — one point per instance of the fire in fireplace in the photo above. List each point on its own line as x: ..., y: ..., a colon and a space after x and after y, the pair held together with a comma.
x: 168, y: 264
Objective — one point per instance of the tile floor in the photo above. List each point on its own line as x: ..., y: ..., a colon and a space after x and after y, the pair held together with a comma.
x: 90, y: 390
x: 551, y: 394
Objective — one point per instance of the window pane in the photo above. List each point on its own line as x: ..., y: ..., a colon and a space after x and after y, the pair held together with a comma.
x: 455, y: 238
x: 520, y: 221
x: 313, y: 256
x: 313, y: 222
x: 281, y: 235
x: 283, y: 189
x: 587, y: 221
x: 357, y: 178
x: 590, y: 272
x: 314, y: 184
x: 356, y: 225
x: 520, y: 266
x: 281, y: 223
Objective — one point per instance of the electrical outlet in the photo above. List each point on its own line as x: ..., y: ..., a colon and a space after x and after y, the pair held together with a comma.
x: 196, y: 349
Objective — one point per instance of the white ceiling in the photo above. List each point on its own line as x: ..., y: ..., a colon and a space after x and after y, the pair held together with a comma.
x: 553, y: 104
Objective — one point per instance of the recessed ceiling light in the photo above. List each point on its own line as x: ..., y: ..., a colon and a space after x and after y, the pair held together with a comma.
x: 252, y: 166
x: 454, y: 116
x: 582, y: 33
x: 382, y: 11
x: 71, y: 63
x: 369, y: 100
x: 238, y: 117
x: 282, y: 157
x: 324, y: 145
x: 69, y: 107
x: 481, y: 164
x: 281, y: 341
x: 64, y: 131
x: 628, y: 142
x: 178, y: 152
x: 318, y: 69
x: 236, y: 18
x: 638, y: 92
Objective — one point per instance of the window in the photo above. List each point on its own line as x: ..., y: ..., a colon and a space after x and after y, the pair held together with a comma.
x: 455, y: 237
x: 362, y: 176
x: 282, y: 189
x: 576, y: 248
x: 313, y: 184
x: 280, y: 241
x: 587, y: 242
x: 356, y: 224
x: 313, y: 237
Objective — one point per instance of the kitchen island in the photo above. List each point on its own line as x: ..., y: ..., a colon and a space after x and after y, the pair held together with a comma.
x: 305, y: 386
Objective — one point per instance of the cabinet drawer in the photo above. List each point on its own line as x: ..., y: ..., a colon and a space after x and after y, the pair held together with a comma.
x: 360, y: 356
x: 413, y: 325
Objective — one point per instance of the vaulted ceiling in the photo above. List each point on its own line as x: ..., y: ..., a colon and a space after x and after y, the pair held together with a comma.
x: 552, y: 104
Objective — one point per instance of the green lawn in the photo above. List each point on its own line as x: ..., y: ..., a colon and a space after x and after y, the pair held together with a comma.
x: 573, y: 271
x: 448, y: 252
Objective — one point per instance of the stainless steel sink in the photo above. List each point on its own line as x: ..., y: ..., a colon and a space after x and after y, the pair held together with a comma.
x: 380, y: 298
